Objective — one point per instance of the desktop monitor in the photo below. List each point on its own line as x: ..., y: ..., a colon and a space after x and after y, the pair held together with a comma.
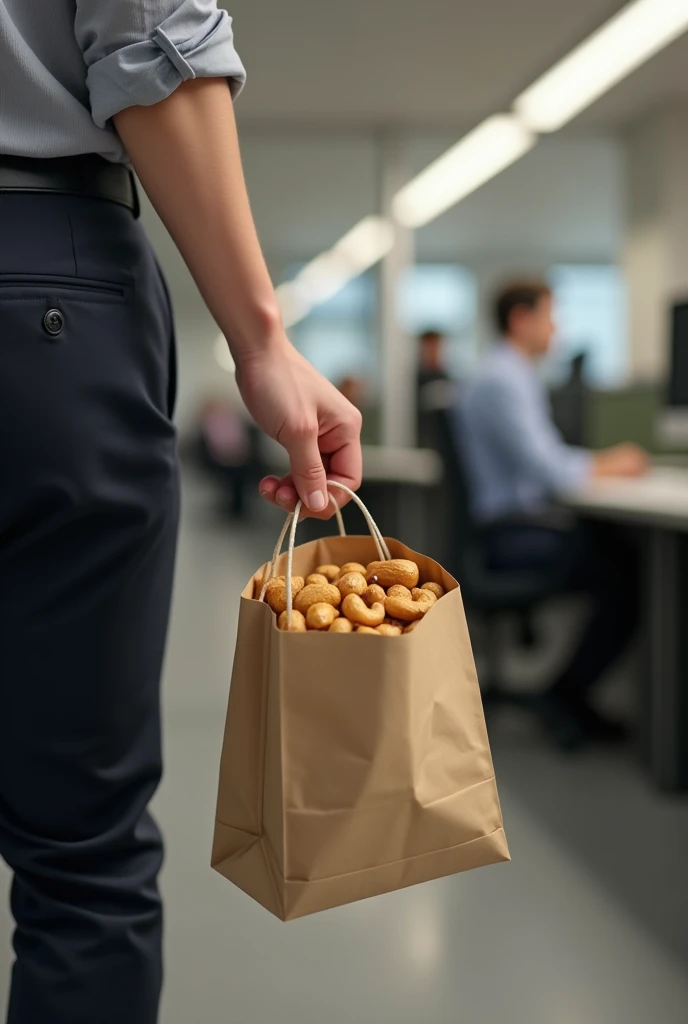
x: 673, y: 425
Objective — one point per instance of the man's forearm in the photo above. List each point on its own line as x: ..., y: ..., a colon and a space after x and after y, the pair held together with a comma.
x: 186, y: 153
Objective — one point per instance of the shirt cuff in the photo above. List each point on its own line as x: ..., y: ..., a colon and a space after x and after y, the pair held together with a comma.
x: 578, y: 469
x: 184, y: 46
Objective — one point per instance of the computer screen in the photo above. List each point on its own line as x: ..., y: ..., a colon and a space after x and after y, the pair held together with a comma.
x: 678, y: 375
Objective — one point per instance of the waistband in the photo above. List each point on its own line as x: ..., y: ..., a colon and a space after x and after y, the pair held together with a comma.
x: 88, y: 175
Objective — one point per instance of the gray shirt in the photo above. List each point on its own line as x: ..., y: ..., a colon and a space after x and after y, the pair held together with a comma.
x: 67, y: 66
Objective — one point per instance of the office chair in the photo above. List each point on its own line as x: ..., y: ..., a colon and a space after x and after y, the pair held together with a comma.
x: 488, y: 594
x: 570, y: 401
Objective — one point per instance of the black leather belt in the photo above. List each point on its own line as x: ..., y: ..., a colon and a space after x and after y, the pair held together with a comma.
x: 88, y: 175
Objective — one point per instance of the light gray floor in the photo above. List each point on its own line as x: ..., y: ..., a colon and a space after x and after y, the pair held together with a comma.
x: 588, y: 925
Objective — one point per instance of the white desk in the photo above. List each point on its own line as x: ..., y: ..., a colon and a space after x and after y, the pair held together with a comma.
x: 657, y: 505
x: 660, y: 498
x: 414, y: 467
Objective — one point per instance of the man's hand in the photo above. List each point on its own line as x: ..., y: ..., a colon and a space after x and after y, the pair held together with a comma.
x: 622, y: 460
x: 319, y: 428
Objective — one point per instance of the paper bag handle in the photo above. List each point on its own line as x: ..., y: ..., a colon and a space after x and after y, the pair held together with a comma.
x: 290, y: 525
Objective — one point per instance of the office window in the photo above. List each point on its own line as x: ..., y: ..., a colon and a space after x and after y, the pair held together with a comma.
x: 443, y: 296
x: 338, y: 337
x: 591, y: 316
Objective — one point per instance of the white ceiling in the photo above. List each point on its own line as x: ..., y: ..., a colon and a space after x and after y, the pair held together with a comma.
x: 374, y: 62
x: 564, y: 198
x: 326, y: 79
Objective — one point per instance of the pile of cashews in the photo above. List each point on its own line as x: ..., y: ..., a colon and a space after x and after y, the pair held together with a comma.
x: 382, y: 598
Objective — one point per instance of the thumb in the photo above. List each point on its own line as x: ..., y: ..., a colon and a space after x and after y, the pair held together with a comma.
x: 308, y: 472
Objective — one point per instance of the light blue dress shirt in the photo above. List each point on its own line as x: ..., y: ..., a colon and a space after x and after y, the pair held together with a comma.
x: 515, y: 457
x: 68, y: 66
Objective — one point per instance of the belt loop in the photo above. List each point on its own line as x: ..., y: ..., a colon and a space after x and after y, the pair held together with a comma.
x: 135, y: 194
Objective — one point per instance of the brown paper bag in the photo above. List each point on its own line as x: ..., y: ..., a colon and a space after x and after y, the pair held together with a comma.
x: 353, y: 765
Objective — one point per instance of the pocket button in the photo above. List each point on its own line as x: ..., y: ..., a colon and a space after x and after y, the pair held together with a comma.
x: 53, y: 322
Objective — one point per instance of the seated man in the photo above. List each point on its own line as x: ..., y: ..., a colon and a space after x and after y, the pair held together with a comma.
x: 516, y: 461
x: 434, y: 387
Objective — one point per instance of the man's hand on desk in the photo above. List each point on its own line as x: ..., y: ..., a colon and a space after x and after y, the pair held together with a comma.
x: 621, y: 460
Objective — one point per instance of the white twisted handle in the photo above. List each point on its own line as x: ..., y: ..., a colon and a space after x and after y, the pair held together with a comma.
x: 283, y: 533
x: 291, y: 524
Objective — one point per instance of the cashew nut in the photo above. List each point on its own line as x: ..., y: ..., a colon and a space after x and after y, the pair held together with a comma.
x: 317, y: 593
x: 386, y: 629
x: 355, y: 609
x: 435, y: 589
x: 316, y: 577
x: 374, y: 595
x: 407, y: 609
x: 330, y: 572
x: 276, y: 591
x: 397, y: 570
x: 398, y: 591
x: 367, y: 629
x: 341, y: 626
x: 418, y: 594
x: 352, y: 567
x: 321, y: 616
x: 298, y: 622
x: 352, y: 583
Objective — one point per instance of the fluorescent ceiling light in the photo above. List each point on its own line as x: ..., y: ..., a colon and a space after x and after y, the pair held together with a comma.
x: 292, y: 305
x: 366, y: 243
x: 479, y: 156
x: 620, y: 46
x: 326, y: 275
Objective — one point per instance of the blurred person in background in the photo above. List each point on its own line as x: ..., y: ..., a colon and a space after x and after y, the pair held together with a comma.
x: 434, y: 388
x: 431, y: 345
x: 354, y: 390
x: 357, y: 391
x: 89, y: 498
x: 227, y: 447
x: 516, y: 463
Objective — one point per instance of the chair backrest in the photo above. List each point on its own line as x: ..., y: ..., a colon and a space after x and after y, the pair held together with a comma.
x: 482, y: 589
x: 569, y: 404
x: 460, y: 519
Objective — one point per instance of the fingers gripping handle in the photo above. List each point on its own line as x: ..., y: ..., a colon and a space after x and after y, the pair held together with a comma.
x: 283, y: 533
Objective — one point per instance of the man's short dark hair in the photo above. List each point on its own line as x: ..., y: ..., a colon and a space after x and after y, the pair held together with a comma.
x: 430, y: 333
x: 514, y: 294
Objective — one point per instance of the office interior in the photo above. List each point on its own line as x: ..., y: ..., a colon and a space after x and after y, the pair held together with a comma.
x: 343, y: 108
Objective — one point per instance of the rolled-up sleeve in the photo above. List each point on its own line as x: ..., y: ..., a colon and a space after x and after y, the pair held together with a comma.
x: 139, y: 51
